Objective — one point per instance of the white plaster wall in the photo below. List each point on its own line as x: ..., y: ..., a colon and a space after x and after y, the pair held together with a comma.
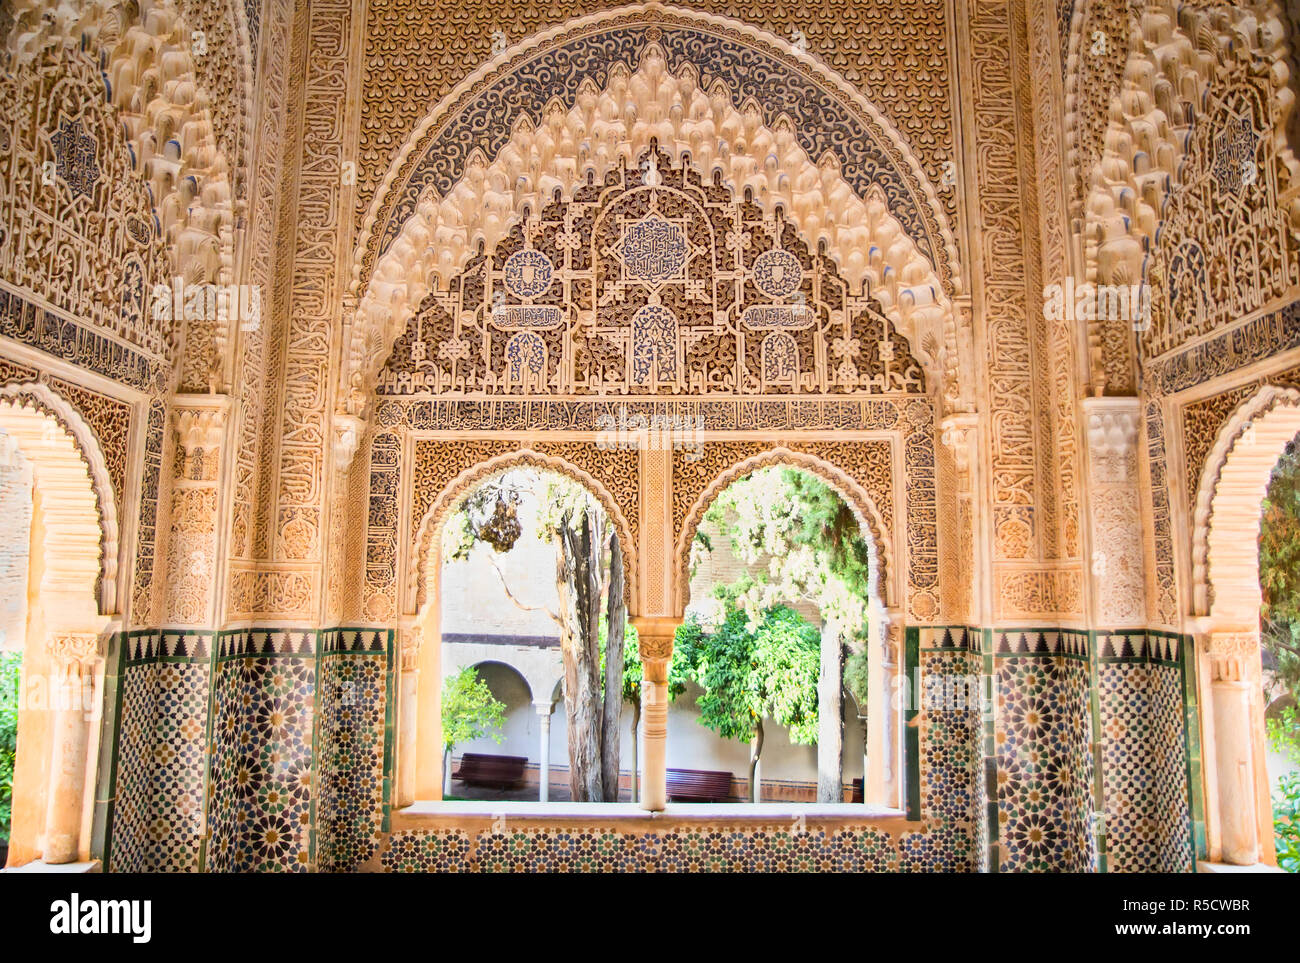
x: 520, y: 726
x: 15, y: 546
x: 473, y: 601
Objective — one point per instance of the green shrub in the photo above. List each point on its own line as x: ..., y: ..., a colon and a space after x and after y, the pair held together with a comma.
x: 1286, y: 822
x: 10, y: 666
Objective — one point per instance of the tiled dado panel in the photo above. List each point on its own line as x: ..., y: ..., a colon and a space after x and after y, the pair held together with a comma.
x: 137, y: 715
x: 157, y: 823
x: 354, y: 746
x: 1144, y: 753
x: 263, y: 709
x: 951, y: 773
x: 1042, y: 739
x: 261, y: 687
x: 723, y: 847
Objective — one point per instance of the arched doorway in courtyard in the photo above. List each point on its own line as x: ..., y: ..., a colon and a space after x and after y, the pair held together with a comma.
x: 798, y: 549
x: 782, y: 294
x: 58, y: 546
x: 506, y: 577
x: 1228, y: 601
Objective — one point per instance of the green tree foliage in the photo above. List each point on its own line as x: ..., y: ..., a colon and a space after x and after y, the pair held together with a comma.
x: 748, y: 676
x: 1279, y: 578
x: 469, y: 710
x: 1284, y: 735
x: 1279, y: 569
x: 10, y: 670
x: 808, y: 541
x: 811, y: 549
x: 856, y: 668
x: 1286, y: 822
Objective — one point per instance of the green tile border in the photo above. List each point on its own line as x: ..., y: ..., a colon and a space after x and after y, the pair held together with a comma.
x: 117, y: 674
x: 912, y: 742
x: 1101, y: 835
x: 1192, y: 749
x: 390, y: 732
x: 990, y: 755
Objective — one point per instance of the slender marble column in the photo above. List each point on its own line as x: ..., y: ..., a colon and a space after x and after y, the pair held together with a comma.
x: 544, y: 710
x: 1232, y: 691
x: 655, y: 641
x: 75, y: 656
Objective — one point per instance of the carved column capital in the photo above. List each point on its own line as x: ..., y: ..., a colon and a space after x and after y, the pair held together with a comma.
x: 1233, y: 655
x: 409, y: 639
x: 73, y: 652
x: 349, y: 429
x: 655, y: 645
x: 891, y: 637
x: 959, y: 432
x: 1111, y: 426
x: 202, y: 425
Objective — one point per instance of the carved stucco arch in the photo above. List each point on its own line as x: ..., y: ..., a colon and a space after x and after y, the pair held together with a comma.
x: 422, y: 577
x: 403, y: 250
x: 870, y: 523
x: 1226, y: 518
x: 69, y: 466
x: 152, y: 81
x: 1175, y: 54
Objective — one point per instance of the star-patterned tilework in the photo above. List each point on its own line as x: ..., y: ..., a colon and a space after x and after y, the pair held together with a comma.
x: 260, y: 812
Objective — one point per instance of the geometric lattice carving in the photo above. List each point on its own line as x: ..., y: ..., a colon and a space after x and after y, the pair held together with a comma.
x: 656, y: 282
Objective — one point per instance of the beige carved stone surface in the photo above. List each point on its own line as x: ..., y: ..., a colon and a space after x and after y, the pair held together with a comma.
x: 491, y: 235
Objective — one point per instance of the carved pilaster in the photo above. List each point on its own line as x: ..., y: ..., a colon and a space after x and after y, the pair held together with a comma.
x: 1111, y: 427
x: 76, y: 657
x: 200, y: 422
x: 1240, y: 780
x: 410, y: 636
x: 960, y: 433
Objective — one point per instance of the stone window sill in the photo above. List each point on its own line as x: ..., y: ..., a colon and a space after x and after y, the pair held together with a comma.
x: 40, y: 866
x: 854, y: 812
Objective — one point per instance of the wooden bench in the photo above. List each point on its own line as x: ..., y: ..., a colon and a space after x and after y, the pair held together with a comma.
x: 698, y: 785
x: 484, y: 769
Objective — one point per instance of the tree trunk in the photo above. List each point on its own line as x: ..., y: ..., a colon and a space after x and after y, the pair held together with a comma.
x: 755, y: 750
x: 615, y: 617
x: 577, y: 580
x: 830, y: 722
